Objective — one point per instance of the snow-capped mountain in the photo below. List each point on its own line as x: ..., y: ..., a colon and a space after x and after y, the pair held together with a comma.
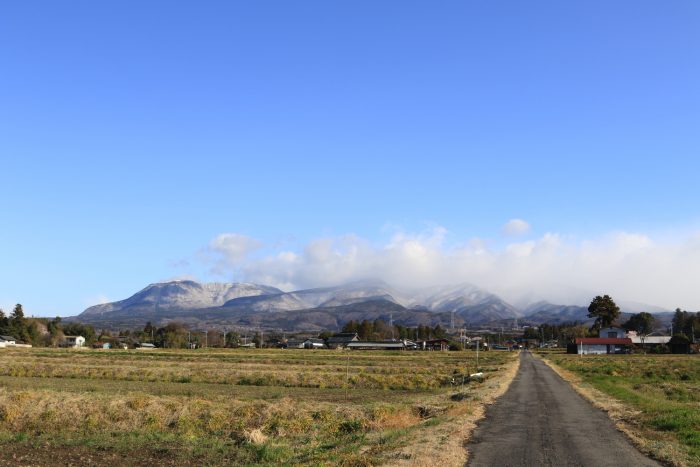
x: 246, y: 304
x: 181, y: 295
x: 322, y: 297
x: 467, y: 300
x: 545, y: 312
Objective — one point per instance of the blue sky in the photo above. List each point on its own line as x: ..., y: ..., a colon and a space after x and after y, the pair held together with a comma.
x: 134, y: 134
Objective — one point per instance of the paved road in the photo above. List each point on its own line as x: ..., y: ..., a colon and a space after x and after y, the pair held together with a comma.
x: 542, y: 421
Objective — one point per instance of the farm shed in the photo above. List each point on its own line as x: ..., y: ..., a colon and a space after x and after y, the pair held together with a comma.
x: 602, y: 345
x: 434, y: 344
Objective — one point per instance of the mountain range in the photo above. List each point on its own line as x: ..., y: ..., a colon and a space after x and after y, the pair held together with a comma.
x: 260, y: 306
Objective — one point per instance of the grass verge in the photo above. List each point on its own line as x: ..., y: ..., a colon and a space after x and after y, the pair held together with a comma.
x: 653, y: 399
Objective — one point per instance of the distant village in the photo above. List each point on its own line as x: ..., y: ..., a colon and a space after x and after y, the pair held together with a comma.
x: 631, y: 337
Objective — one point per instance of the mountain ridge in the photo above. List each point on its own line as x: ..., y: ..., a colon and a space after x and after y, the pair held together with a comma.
x: 248, y: 303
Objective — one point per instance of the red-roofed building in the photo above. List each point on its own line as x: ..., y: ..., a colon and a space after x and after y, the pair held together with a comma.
x: 602, y: 345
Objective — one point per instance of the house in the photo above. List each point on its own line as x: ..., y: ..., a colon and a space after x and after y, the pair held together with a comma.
x: 291, y: 344
x: 7, y: 340
x: 341, y: 340
x: 612, y: 332
x: 602, y: 345
x: 314, y: 343
x: 74, y: 341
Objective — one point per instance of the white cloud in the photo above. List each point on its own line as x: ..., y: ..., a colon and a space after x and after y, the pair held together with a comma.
x: 230, y: 250
x: 515, y: 227
x: 630, y: 266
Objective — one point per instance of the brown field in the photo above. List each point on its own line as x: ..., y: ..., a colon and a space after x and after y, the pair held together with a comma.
x: 139, y: 407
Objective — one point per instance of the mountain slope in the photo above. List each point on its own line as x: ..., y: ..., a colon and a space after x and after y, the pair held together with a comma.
x: 543, y: 312
x: 328, y: 297
x: 177, y: 296
x: 474, y: 305
x: 219, y: 304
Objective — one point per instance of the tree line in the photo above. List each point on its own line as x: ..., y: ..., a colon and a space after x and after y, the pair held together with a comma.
x: 39, y: 332
x: 381, y: 330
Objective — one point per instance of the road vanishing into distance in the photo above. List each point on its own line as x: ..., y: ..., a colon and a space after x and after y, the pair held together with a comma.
x: 542, y: 421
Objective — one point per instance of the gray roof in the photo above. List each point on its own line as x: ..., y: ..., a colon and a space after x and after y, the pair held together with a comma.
x: 315, y: 340
x: 7, y: 338
x: 342, y: 338
x: 376, y: 345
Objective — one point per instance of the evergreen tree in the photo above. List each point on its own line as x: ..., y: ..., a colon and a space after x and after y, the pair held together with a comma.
x: 642, y: 323
x: 604, y: 310
x: 18, y: 324
x: 4, y: 323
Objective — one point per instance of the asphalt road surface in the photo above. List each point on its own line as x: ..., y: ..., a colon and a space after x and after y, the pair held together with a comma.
x: 542, y: 421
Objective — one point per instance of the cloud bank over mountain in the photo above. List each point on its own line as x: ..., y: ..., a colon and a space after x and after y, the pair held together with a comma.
x: 553, y: 267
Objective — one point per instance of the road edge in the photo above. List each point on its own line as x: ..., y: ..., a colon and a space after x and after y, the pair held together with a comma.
x: 479, y: 413
x: 454, y: 436
x: 618, y: 412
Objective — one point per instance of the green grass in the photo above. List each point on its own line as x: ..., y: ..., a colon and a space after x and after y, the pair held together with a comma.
x: 220, y: 407
x: 664, y: 389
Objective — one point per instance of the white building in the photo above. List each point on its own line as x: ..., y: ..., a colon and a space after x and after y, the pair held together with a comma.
x: 74, y: 341
x: 612, y: 332
x: 7, y: 340
x: 602, y: 345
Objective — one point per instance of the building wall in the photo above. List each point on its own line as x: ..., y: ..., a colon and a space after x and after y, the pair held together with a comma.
x: 607, y: 332
x: 592, y: 349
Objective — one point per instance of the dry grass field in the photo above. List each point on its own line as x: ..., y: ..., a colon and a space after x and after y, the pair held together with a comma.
x: 180, y: 407
x: 654, y: 398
